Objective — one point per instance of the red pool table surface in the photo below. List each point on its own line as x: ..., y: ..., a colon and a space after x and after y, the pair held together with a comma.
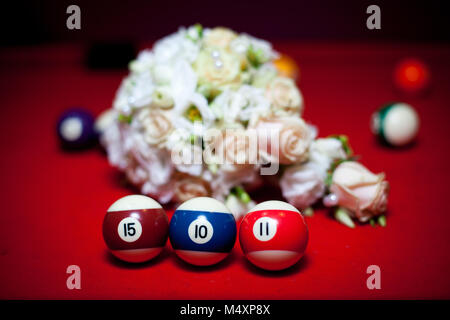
x: 54, y: 201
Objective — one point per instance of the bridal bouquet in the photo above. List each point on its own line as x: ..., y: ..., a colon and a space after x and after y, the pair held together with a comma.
x: 206, y: 112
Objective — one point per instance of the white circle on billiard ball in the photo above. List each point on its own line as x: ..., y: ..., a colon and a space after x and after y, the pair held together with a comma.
x: 134, y: 202
x: 274, y: 205
x: 71, y: 128
x: 265, y: 228
x: 401, y: 124
x: 200, y: 230
x: 129, y: 229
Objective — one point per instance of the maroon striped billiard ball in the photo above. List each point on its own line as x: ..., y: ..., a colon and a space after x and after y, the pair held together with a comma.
x: 135, y: 228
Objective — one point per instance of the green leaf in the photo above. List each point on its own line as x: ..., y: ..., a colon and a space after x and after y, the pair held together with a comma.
x: 242, y: 195
x: 343, y: 217
x: 345, y: 143
x: 309, y: 212
x: 372, y: 222
x: 382, y: 221
x: 198, y: 33
x: 255, y: 56
x: 125, y: 119
x: 199, y: 29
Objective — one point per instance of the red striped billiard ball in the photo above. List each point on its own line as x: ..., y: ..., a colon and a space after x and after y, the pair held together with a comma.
x: 135, y: 228
x: 273, y: 235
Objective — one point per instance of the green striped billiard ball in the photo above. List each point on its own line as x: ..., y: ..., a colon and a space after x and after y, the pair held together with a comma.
x: 396, y: 123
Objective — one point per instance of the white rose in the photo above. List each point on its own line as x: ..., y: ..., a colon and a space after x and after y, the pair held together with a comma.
x: 303, y: 185
x: 240, y: 105
x: 324, y: 151
x: 243, y: 42
x: 264, y: 75
x: 162, y: 98
x: 284, y: 95
x: 175, y: 47
x: 144, y: 62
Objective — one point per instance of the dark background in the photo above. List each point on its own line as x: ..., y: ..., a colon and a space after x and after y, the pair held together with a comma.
x: 34, y: 22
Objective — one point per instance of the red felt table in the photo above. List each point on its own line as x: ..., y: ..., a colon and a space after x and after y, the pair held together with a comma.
x: 53, y: 202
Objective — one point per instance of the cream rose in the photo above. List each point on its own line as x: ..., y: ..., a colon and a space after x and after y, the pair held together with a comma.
x: 219, y: 37
x: 284, y: 95
x: 357, y: 189
x: 283, y: 140
x: 218, y: 68
x: 155, y: 125
x: 187, y: 187
x: 233, y: 147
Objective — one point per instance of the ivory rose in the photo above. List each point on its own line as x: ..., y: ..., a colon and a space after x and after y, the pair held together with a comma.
x: 234, y: 147
x: 284, y: 95
x: 218, y: 68
x: 155, y: 124
x: 357, y: 189
x: 283, y: 140
x: 187, y: 187
x: 219, y: 37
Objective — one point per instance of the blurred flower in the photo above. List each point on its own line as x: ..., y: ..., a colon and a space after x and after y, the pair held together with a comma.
x: 156, y: 125
x: 219, y: 37
x: 357, y: 189
x: 284, y: 140
x: 284, y: 95
x: 187, y: 187
x: 303, y: 185
x: 218, y: 68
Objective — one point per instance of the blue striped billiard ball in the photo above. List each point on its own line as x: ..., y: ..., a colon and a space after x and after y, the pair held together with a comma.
x: 202, y: 231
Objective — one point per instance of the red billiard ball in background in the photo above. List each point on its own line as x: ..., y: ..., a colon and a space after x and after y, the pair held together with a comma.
x: 412, y: 75
x: 135, y: 228
x: 273, y: 235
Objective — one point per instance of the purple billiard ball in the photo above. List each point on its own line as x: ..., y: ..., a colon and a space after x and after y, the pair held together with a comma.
x: 76, y: 129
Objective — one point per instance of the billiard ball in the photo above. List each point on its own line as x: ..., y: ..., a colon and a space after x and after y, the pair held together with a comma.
x: 412, y: 75
x: 396, y: 123
x: 135, y: 228
x: 273, y: 235
x: 202, y: 231
x: 286, y: 66
x: 75, y: 128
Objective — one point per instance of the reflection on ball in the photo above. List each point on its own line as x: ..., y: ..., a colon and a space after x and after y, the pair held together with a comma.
x: 135, y: 228
x: 273, y: 235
